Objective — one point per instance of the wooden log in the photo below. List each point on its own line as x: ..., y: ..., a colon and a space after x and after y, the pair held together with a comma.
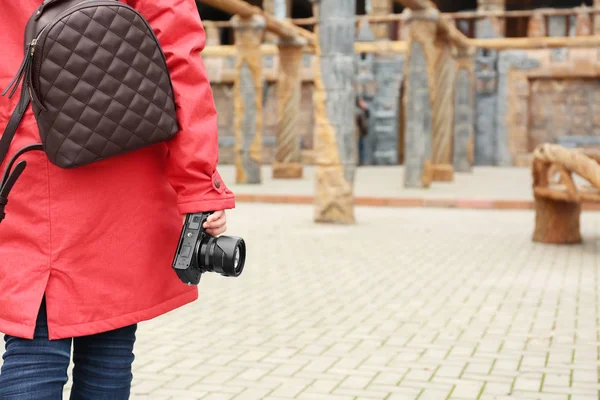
x: 445, y: 25
x: 269, y: 8
x: 380, y: 29
x: 583, y: 25
x: 556, y: 222
x: 537, y: 25
x: 248, y: 98
x: 536, y: 43
x: 442, y: 173
x: 392, y: 47
x: 464, y: 110
x: 501, y: 13
x: 288, y: 157
x: 334, y: 104
x: 283, y: 29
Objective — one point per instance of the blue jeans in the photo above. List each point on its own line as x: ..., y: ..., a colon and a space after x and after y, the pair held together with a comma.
x: 37, y: 369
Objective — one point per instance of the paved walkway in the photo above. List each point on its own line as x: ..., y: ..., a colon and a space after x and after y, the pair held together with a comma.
x: 407, y: 304
x: 485, y: 183
x: 485, y: 188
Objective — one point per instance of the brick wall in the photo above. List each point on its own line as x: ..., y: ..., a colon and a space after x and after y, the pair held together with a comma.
x: 563, y: 107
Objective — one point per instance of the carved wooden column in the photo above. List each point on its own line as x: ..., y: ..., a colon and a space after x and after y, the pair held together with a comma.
x: 213, y: 37
x: 496, y: 24
x: 537, y: 25
x: 334, y: 103
x: 442, y: 113
x: 402, y: 25
x: 583, y: 24
x: 464, y: 110
x: 269, y: 7
x: 420, y: 72
x: 248, y: 98
x: 596, y: 18
x: 380, y: 8
x: 288, y: 156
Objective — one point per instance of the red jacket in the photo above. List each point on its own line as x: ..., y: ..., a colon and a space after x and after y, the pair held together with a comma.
x: 99, y: 240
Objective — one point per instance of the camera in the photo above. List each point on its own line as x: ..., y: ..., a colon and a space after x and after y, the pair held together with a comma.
x: 198, y: 252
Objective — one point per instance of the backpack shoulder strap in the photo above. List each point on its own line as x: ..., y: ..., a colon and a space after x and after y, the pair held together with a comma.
x: 13, y: 123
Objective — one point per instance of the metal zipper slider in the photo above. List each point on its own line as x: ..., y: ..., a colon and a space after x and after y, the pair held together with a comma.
x: 32, y: 46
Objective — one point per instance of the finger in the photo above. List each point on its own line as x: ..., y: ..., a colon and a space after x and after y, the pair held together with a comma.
x: 217, y: 231
x: 215, y: 223
x: 216, y: 215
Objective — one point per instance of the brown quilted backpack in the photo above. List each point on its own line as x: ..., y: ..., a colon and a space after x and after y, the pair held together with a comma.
x: 98, y: 82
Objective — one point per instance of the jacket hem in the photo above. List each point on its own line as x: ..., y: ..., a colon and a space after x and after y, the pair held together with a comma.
x: 24, y: 331
x: 94, y: 327
x: 196, y: 206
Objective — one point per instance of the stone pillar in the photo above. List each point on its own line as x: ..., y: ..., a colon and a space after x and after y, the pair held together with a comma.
x: 420, y: 67
x: 334, y: 101
x: 248, y: 98
x: 486, y: 94
x: 366, y: 88
x: 383, y: 119
x: 381, y: 8
x: 464, y: 110
x: 288, y: 156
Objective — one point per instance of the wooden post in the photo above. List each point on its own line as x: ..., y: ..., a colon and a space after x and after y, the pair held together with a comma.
x: 381, y: 7
x: 402, y: 25
x: 213, y: 35
x: 420, y: 71
x: 464, y: 110
x: 269, y: 7
x: 556, y: 221
x: 441, y: 88
x: 583, y: 24
x: 498, y: 25
x: 537, y: 25
x: 248, y: 98
x: 288, y: 157
x: 596, y: 22
x: 334, y: 102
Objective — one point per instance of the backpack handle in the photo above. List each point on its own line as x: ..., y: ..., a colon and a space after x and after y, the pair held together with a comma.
x: 41, y: 8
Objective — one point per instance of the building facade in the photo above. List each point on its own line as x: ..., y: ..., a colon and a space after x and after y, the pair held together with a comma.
x: 523, y: 96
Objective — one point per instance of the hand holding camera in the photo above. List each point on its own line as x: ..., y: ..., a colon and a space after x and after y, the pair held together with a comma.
x: 200, y: 251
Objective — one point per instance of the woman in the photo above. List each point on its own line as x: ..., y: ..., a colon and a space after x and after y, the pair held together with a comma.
x: 85, y: 254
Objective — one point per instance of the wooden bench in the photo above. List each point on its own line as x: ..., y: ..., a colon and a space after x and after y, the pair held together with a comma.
x: 558, y: 198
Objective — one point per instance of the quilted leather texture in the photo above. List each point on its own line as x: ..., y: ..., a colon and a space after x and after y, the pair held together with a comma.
x: 104, y: 83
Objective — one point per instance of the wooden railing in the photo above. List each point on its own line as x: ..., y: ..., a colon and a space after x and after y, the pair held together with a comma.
x: 464, y: 21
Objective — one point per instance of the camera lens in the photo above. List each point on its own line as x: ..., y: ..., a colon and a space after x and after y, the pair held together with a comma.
x: 225, y: 255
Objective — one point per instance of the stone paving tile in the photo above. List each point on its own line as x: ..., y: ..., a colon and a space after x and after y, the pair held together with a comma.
x: 406, y: 304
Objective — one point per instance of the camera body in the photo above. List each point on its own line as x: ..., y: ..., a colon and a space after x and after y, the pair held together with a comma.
x: 198, y: 252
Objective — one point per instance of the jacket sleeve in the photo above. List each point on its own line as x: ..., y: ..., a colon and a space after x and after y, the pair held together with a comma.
x: 194, y: 151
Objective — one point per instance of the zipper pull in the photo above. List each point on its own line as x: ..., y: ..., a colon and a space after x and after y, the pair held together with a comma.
x: 15, y: 81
